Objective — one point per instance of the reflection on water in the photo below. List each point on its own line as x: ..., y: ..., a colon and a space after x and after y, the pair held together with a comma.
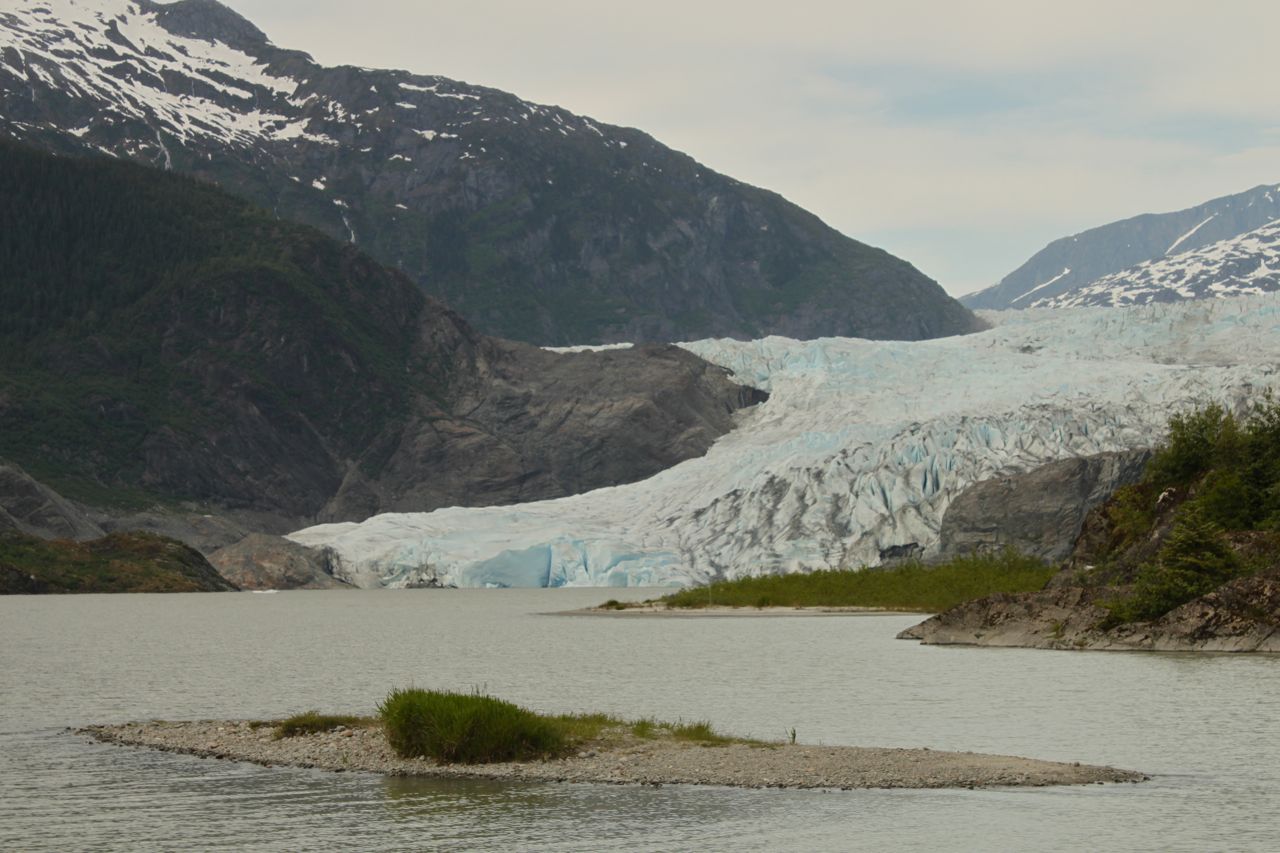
x: 1204, y: 724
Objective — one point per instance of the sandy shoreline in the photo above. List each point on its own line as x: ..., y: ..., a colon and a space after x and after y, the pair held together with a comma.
x: 622, y: 761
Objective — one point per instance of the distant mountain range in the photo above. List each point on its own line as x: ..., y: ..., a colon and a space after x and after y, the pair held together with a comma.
x: 163, y: 342
x: 1240, y: 265
x: 532, y: 222
x: 1218, y: 248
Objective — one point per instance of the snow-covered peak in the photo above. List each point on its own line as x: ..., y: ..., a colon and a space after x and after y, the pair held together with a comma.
x: 1073, y: 262
x: 860, y: 449
x: 115, y: 54
x: 1248, y: 264
x: 142, y: 76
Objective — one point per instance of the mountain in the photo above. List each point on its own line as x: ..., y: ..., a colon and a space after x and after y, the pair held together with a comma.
x: 165, y: 341
x: 1249, y: 263
x: 1076, y: 262
x: 855, y: 457
x: 532, y: 222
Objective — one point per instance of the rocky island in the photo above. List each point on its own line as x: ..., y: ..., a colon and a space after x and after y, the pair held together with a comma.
x: 619, y: 756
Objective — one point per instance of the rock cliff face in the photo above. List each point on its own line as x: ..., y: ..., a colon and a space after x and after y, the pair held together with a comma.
x: 260, y: 561
x: 36, y: 510
x: 1038, y: 512
x: 167, y: 341
x: 534, y: 223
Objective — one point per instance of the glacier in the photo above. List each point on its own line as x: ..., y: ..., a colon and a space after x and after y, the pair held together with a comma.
x: 860, y: 448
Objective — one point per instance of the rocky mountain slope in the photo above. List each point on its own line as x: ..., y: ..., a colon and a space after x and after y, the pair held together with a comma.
x: 857, y: 454
x: 1240, y: 265
x: 532, y: 222
x: 34, y: 509
x: 162, y: 340
x: 1076, y: 262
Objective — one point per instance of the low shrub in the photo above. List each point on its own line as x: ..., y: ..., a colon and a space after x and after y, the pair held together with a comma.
x: 466, y: 728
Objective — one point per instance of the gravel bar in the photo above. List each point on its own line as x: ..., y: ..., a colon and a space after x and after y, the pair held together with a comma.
x: 622, y: 761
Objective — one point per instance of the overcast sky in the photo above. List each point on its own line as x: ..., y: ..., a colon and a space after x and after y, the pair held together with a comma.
x: 962, y: 136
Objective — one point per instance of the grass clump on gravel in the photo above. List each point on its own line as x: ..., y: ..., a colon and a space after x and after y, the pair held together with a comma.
x: 913, y: 586
x: 467, y: 728
x: 313, y: 722
x: 471, y: 728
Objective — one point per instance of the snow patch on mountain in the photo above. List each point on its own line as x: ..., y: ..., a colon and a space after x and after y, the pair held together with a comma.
x: 860, y: 449
x: 1248, y: 264
x: 116, y: 53
x: 119, y: 56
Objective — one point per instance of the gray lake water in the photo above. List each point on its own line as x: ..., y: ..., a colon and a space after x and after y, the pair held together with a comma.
x: 1205, y: 727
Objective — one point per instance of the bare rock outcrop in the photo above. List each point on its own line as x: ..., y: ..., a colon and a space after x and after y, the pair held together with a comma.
x: 35, y: 509
x: 1038, y: 512
x: 259, y: 561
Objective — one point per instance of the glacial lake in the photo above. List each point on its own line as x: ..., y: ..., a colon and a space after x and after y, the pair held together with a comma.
x: 1205, y: 727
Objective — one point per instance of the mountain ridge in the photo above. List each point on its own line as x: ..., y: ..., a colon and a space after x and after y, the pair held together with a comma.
x: 1077, y: 261
x: 534, y: 223
x: 1247, y: 264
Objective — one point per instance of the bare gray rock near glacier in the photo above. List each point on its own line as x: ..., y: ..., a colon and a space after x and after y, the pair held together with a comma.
x: 259, y: 561
x: 1038, y: 512
x: 37, y: 510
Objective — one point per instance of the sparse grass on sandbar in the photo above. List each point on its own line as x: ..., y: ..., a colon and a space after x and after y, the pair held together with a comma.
x: 914, y: 586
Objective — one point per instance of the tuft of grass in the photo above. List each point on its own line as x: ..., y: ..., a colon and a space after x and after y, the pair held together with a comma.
x: 613, y: 604
x: 471, y: 728
x: 914, y: 586
x: 646, y: 728
x: 313, y: 722
x: 467, y: 728
x: 579, y: 729
x: 701, y: 732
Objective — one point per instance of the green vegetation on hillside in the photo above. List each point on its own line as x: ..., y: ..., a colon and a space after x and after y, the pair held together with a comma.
x: 1213, y: 483
x: 149, y: 318
x: 119, y: 562
x: 914, y: 586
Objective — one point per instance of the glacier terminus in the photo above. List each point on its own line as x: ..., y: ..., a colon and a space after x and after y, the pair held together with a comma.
x: 860, y: 448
